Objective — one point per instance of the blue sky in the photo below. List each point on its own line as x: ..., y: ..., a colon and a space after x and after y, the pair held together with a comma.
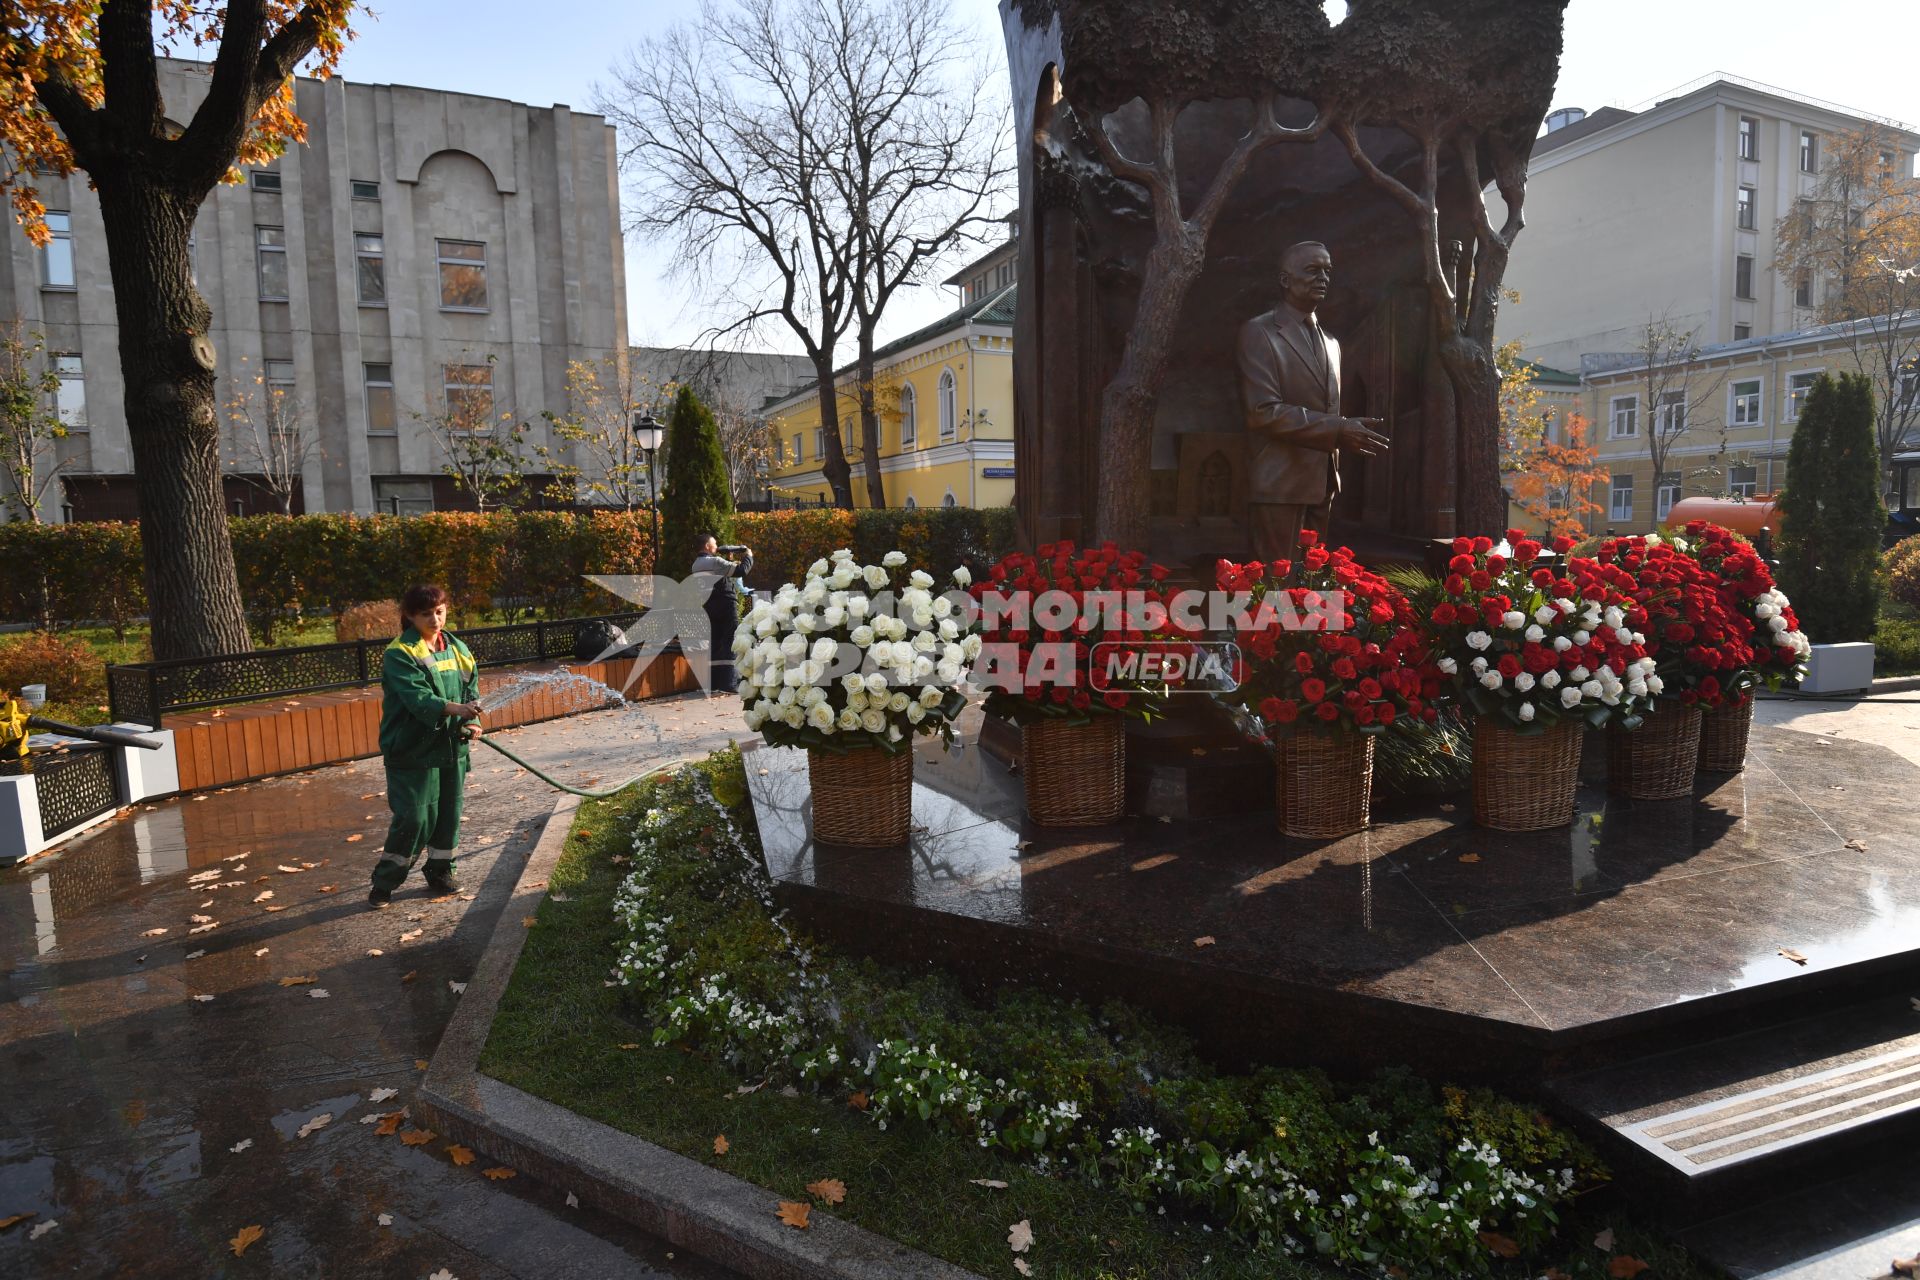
x: 1619, y: 52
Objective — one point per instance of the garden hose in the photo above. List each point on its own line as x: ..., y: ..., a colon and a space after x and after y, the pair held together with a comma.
x: 591, y: 794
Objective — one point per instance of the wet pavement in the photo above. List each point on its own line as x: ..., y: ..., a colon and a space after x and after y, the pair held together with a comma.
x: 165, y: 1082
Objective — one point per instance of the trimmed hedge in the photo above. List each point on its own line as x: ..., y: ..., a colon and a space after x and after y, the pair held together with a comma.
x: 530, y: 562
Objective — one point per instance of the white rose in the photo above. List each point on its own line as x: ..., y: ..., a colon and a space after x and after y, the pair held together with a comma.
x: 923, y: 616
x: 1570, y: 696
x: 813, y: 697
x: 1490, y: 680
x: 942, y: 607
x: 930, y: 697
x: 754, y: 717
x: 813, y: 671
x: 847, y: 721
x: 1513, y: 619
x: 903, y: 653
x: 794, y: 677
x: 873, y: 721
x: 947, y: 673
x: 894, y: 559
x: 858, y: 607
x: 876, y: 577
x: 920, y: 578
x: 766, y: 626
x: 893, y: 733
x: 1764, y: 611
x: 1523, y: 681
x: 1545, y: 613
x: 862, y: 635
x: 853, y: 682
x: 1583, y: 638
x: 949, y: 629
x: 1561, y: 644
x: 843, y: 577
x: 1548, y: 679
x: 833, y: 615
x: 1614, y: 618
x: 793, y: 716
x: 820, y: 716
x: 824, y: 648
x: 1525, y: 711
x: 876, y: 683
x: 818, y: 569
x: 925, y: 642
x: 857, y: 700
x: 1535, y: 634
x: 1777, y: 623
x: 915, y: 713
x: 922, y: 668
x: 1622, y: 636
x: 1479, y: 640
x: 1655, y: 684
x: 1592, y: 689
x: 805, y: 624
x: 970, y: 646
x: 1447, y: 665
x: 1579, y: 673
x: 963, y: 576
x: 793, y: 647
x: 1478, y: 665
x: 742, y: 644
x: 952, y: 653
x: 898, y: 702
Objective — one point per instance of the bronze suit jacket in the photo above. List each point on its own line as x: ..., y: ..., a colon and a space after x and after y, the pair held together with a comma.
x: 1292, y: 404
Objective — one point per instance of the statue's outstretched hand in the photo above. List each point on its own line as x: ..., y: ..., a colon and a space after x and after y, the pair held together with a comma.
x: 1361, y: 435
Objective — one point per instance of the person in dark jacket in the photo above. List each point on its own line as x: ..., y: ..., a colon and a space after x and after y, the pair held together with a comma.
x: 723, y: 606
x: 429, y: 712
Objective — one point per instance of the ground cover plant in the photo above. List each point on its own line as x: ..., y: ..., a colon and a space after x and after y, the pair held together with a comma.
x: 1120, y: 1151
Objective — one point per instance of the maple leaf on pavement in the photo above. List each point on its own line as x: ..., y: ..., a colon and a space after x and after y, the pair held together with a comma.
x: 794, y: 1214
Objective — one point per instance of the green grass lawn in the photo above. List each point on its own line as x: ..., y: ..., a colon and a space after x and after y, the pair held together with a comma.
x: 563, y: 1035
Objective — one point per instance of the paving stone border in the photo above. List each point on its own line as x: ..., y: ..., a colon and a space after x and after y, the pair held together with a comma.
x: 710, y: 1213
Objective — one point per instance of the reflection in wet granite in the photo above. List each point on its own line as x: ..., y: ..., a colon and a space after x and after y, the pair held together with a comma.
x: 1506, y: 947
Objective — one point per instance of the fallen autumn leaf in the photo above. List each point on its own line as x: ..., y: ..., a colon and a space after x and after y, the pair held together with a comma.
x: 245, y: 1240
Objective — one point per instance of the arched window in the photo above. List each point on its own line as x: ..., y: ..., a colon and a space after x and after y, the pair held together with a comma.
x: 949, y: 500
x: 910, y: 504
x: 949, y: 396
x: 909, y: 428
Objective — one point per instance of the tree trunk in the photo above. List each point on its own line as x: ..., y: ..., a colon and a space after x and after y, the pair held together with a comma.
x: 1128, y: 405
x: 870, y: 421
x: 1480, y: 504
x: 167, y: 363
x: 833, y: 463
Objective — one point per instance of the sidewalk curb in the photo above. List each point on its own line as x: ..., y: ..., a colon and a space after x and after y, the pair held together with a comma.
x: 716, y: 1215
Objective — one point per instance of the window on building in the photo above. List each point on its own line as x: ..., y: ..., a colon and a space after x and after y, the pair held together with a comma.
x: 1741, y: 332
x: 819, y: 443
x: 1743, y: 276
x: 365, y: 190
x: 265, y: 180
x: 909, y: 426
x: 56, y: 260
x: 1798, y: 385
x: 1620, y: 506
x: 1743, y: 211
x: 270, y: 258
x: 1749, y: 138
x: 370, y: 269
x: 279, y: 376
x: 1743, y: 480
x: 911, y: 503
x: 949, y: 397
x: 397, y: 497
x: 797, y: 454
x: 463, y: 275
x: 1665, y: 494
x: 70, y: 397
x: 1803, y: 290
x: 468, y: 389
x: 1809, y: 152
x: 1744, y: 410
x: 1670, y: 415
x: 1623, y: 417
x: 949, y: 500
x: 377, y: 379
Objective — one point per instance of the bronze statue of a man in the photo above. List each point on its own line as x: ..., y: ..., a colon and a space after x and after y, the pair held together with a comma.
x: 1290, y: 387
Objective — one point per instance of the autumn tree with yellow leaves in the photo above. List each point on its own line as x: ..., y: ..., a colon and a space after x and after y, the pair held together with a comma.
x: 80, y: 90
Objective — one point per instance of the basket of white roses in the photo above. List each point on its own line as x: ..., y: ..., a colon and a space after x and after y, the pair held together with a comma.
x: 850, y: 669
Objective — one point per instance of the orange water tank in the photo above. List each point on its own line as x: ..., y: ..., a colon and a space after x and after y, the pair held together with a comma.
x: 1745, y: 518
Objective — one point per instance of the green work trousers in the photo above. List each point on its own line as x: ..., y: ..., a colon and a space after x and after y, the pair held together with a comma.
x: 426, y: 816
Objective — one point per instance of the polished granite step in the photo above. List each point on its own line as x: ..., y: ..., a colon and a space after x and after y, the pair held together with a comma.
x: 1719, y: 1121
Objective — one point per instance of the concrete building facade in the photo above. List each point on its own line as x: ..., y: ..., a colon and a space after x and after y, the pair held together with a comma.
x: 1669, y: 213
x: 423, y: 247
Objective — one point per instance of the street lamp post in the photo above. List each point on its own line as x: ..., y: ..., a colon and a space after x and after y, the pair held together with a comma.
x: 646, y: 434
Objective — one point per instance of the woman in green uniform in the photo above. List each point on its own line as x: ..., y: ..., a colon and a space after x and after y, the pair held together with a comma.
x: 430, y: 711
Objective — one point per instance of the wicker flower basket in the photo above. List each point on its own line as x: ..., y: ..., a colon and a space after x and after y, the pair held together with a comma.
x: 1525, y: 782
x: 1723, y: 738
x: 1323, y: 784
x: 863, y: 798
x: 1657, y: 761
x: 1075, y: 774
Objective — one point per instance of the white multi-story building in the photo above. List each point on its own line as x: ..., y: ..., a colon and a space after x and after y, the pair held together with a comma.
x: 422, y: 246
x: 1668, y: 213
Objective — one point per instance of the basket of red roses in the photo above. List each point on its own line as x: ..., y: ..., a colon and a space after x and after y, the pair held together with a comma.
x: 1522, y: 641
x: 1331, y: 655
x: 1062, y: 631
x: 1699, y: 644
x: 1779, y: 647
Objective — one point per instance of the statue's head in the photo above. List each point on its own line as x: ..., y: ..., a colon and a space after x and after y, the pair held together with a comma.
x: 1306, y: 271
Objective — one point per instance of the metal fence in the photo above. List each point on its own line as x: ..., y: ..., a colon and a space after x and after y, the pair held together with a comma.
x: 146, y: 692
x: 72, y: 786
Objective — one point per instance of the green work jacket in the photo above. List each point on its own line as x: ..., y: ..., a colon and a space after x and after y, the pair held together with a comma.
x: 415, y: 682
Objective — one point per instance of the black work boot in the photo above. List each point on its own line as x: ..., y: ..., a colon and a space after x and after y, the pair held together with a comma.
x: 379, y: 897
x: 440, y: 878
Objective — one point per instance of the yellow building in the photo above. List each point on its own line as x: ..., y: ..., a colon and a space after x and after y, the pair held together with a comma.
x: 1729, y: 412
x: 1557, y: 397
x: 945, y: 399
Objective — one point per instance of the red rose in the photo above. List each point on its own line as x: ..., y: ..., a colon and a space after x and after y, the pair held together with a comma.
x: 1480, y: 579
x: 1363, y: 715
x: 1287, y: 712
x: 1327, y: 711
x: 1313, y: 689
x: 1303, y: 663
x: 1562, y: 544
x: 1542, y: 578
x: 1482, y: 544
x: 1443, y: 614
x: 1308, y: 537
x: 1370, y: 689
x: 1270, y: 708
x: 1080, y: 700
x: 1509, y: 665
x: 1344, y: 668
x: 1384, y: 713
